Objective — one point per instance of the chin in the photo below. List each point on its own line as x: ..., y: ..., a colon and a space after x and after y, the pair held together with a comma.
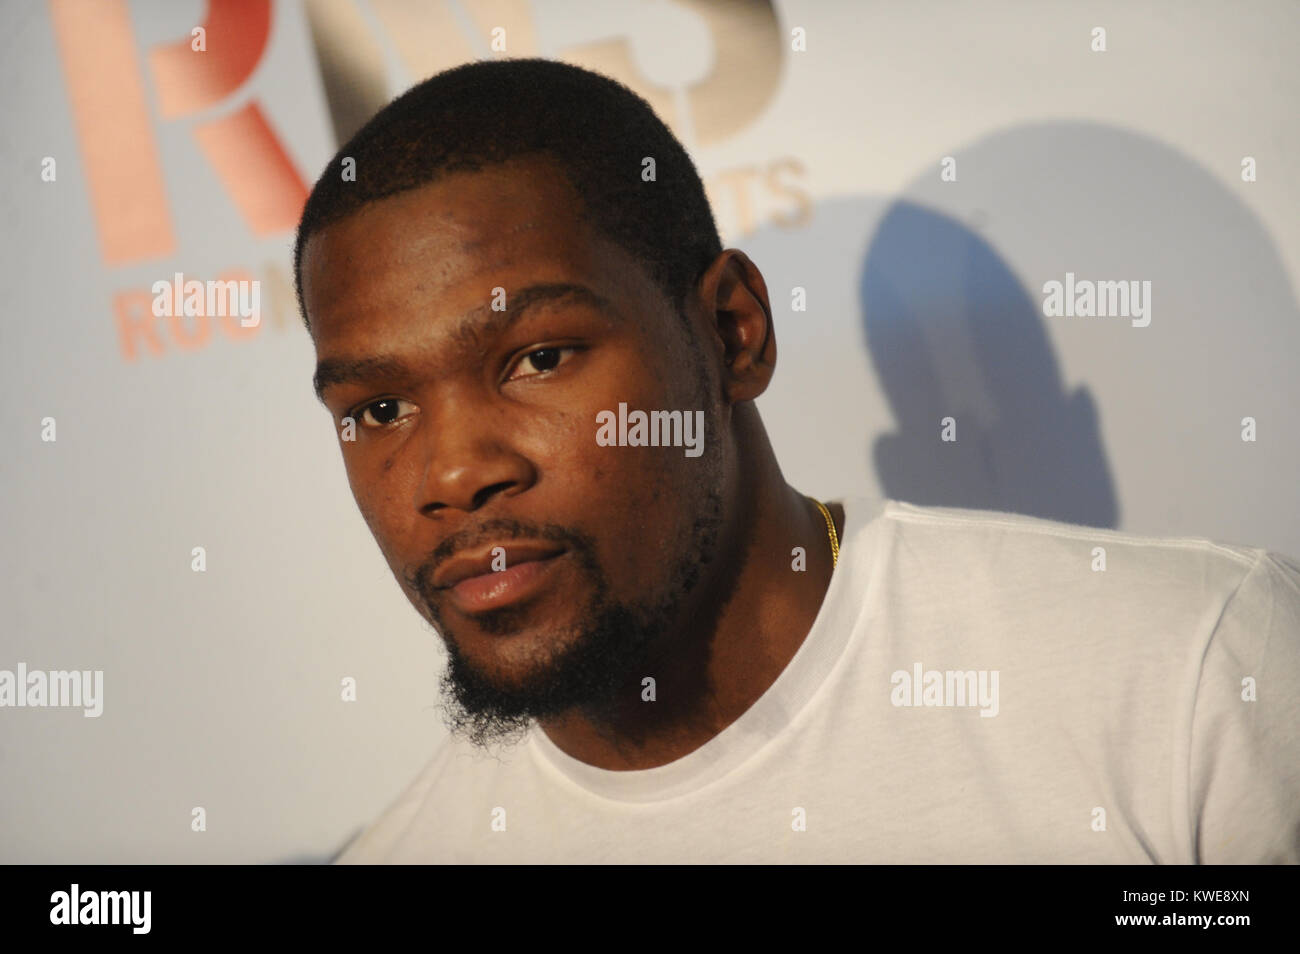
x: 520, y: 655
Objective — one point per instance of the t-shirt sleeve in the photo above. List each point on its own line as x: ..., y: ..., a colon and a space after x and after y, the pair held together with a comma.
x: 1245, y: 742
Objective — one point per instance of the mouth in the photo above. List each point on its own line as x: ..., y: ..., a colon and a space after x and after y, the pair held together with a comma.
x: 496, y: 589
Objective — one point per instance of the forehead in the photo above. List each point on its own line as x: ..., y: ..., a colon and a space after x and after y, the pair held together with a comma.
x: 441, y: 248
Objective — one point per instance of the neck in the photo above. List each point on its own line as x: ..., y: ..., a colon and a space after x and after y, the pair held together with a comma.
x: 746, y: 620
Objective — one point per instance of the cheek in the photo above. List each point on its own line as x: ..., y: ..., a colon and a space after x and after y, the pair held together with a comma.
x: 375, y: 492
x: 394, y: 529
x: 371, y: 513
x: 627, y: 498
x: 639, y: 498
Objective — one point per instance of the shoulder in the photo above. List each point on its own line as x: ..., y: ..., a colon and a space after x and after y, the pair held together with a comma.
x: 1052, y: 547
x: 1244, y: 780
x: 1003, y: 575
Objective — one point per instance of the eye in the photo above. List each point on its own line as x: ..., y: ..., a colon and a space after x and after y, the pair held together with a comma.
x: 542, y: 360
x: 382, y: 412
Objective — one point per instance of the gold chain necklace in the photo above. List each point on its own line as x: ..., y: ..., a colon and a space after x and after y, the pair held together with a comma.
x: 830, y: 532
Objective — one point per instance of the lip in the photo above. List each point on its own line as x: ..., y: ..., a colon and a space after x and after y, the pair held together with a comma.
x: 494, y: 589
x: 468, y: 565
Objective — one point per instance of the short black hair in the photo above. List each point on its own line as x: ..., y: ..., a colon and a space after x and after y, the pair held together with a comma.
x: 491, y: 111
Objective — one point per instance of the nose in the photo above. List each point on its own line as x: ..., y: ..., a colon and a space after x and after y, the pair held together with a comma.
x: 469, y: 459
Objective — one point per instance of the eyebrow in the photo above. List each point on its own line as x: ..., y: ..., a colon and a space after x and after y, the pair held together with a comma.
x: 471, y: 328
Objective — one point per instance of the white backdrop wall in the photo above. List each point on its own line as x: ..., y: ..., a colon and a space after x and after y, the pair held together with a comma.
x: 924, y: 300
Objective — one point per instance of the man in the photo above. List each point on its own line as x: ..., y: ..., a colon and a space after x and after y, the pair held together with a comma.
x: 542, y: 367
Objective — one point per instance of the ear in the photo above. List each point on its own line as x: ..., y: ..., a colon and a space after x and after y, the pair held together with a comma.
x: 738, y: 320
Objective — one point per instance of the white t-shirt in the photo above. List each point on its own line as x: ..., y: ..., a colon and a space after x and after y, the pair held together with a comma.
x: 1112, y: 699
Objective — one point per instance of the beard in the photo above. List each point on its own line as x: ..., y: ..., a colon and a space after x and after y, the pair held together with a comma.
x: 602, y: 659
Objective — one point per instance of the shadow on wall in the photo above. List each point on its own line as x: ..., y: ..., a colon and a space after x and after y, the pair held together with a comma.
x: 328, y: 859
x: 946, y: 280
x: 936, y: 296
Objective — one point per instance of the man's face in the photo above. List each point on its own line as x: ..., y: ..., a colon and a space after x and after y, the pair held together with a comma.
x: 477, y: 428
